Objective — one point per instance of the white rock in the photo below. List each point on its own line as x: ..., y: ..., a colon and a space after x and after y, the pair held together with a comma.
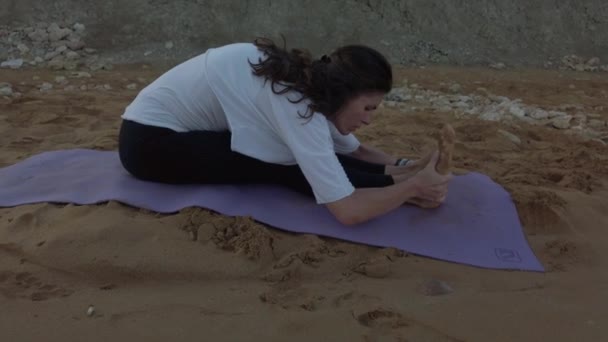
x: 538, y: 114
x: 75, y: 45
x: 498, y: 66
x: 512, y: 137
x: 91, y: 311
x: 58, y: 63
x: 46, y: 86
x: 79, y: 28
x: 562, y: 122
x: 60, y: 79
x: 61, y: 49
x: 80, y: 74
x: 593, y: 62
x: 72, y: 55
x: 12, y: 63
x: 90, y: 50
x: 517, y: 111
x: 38, y: 59
x: 131, y: 86
x: 83, y: 87
x: 596, y: 124
x: 6, y: 89
x: 39, y: 36
x: 70, y: 87
x: 604, y: 68
x: 169, y: 45
x: 23, y: 48
x: 555, y: 114
x: 107, y: 87
x: 455, y: 88
x: 147, y: 53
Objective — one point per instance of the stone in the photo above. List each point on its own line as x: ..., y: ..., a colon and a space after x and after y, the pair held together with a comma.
x: 596, y: 124
x: 58, y: 63
x: 23, y: 48
x: 455, y: 88
x: 516, y: 111
x: 498, y: 66
x: 60, y: 79
x: 435, y: 287
x: 6, y: 89
x: 561, y: 122
x: 107, y: 87
x: 131, y: 86
x: 604, y: 68
x: 538, y: 114
x: 147, y: 53
x: 80, y: 74
x: 169, y: 45
x: 46, y: 86
x: 79, y: 28
x: 593, y: 62
x: 38, y: 59
x: 71, y: 55
x: 70, y: 87
x: 12, y: 63
x: 75, y: 45
x: 39, y: 36
x: 512, y: 137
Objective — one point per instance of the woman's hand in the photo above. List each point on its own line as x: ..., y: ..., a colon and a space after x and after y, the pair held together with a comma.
x: 430, y: 185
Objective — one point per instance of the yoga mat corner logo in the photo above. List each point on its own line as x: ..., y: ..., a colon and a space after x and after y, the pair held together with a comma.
x: 507, y: 255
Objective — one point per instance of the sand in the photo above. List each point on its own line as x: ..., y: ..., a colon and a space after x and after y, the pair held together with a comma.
x: 199, y: 276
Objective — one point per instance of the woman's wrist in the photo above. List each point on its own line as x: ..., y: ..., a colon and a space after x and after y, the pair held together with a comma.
x: 401, y: 161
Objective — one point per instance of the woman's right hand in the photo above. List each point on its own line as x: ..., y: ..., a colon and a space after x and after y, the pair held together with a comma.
x: 430, y: 185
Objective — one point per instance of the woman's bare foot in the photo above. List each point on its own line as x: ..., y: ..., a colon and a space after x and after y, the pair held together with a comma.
x: 446, y: 143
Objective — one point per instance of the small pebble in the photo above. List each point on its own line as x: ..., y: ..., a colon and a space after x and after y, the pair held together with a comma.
x: 91, y: 311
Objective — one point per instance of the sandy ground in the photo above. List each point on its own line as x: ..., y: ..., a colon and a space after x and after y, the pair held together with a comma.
x: 149, y: 279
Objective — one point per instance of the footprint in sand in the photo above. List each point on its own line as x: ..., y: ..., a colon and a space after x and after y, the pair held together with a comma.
x: 25, y: 285
x: 388, y: 323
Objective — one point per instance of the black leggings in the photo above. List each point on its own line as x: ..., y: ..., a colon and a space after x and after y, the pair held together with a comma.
x: 163, y: 155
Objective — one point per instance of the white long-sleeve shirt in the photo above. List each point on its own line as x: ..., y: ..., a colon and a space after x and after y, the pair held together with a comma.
x: 218, y: 91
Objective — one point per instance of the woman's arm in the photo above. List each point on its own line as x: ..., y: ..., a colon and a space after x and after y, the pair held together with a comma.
x: 373, y: 155
x: 367, y: 203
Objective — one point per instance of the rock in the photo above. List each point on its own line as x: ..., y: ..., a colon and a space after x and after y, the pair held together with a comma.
x: 12, y: 63
x: 46, y: 86
x: 512, y: 137
x: 498, y: 66
x: 39, y: 36
x: 60, y: 79
x: 555, y: 114
x: 23, y: 48
x: 75, y: 45
x: 516, y: 111
x: 72, y: 55
x: 435, y: 287
x: 6, y: 89
x: 107, y: 86
x: 38, y: 59
x: 593, y: 62
x: 596, y: 124
x: 80, y: 74
x: 131, y: 86
x: 604, y: 68
x: 169, y: 45
x: 561, y: 122
x: 83, y: 87
x: 90, y: 50
x: 538, y: 114
x: 35, y: 78
x: 455, y: 88
x: 79, y: 28
x: 147, y: 53
x: 70, y: 87
x: 58, y: 63
x: 56, y: 33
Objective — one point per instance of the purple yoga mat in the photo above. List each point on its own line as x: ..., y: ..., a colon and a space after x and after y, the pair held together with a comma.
x: 477, y: 225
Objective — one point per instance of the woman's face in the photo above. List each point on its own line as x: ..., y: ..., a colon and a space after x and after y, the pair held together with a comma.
x: 356, y: 112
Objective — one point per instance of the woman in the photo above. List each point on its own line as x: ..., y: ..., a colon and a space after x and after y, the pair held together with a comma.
x: 257, y: 113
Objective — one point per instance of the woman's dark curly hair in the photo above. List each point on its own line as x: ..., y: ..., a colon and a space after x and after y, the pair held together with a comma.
x: 328, y: 82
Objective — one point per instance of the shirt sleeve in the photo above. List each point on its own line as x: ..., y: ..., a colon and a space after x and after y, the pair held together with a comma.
x: 312, y: 145
x: 343, y: 144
